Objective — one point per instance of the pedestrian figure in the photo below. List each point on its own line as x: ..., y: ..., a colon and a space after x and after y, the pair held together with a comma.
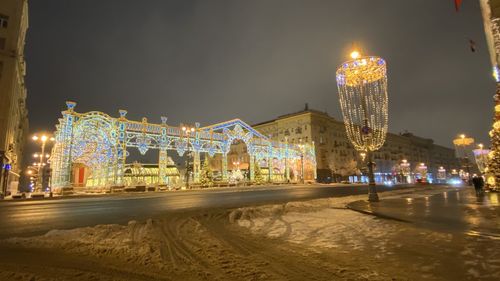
x: 478, y: 184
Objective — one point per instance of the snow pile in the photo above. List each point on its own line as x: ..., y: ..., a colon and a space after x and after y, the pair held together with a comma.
x: 135, y: 242
x: 317, y: 223
x: 325, y: 223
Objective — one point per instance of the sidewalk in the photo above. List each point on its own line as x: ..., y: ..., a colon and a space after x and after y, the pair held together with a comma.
x: 450, y: 211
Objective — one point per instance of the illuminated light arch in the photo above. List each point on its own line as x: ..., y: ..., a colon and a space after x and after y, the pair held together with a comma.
x: 100, y: 142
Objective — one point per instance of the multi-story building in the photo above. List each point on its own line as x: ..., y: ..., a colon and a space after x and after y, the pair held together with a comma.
x: 13, y: 113
x: 335, y: 156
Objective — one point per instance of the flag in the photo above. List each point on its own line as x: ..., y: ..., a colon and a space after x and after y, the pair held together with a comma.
x: 472, y: 45
x: 457, y: 4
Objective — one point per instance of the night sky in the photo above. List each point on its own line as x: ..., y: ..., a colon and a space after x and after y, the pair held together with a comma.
x: 211, y: 61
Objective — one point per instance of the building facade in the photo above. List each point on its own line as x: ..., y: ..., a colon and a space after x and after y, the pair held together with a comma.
x: 336, y: 157
x: 13, y: 113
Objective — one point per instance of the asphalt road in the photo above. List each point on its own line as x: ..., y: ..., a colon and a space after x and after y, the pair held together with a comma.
x: 26, y: 218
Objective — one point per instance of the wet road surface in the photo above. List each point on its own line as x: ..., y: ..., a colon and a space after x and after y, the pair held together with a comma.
x: 450, y: 211
x: 28, y: 218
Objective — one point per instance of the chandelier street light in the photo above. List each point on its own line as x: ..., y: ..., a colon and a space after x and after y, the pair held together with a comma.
x: 362, y: 85
x: 462, y: 141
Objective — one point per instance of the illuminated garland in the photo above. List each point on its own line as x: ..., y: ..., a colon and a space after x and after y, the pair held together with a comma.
x: 362, y: 85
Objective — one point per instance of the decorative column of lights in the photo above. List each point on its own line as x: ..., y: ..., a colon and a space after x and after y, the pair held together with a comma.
x: 441, y: 174
x: 462, y: 142
x: 422, y: 169
x: 301, y: 146
x: 186, y: 131
x: 362, y: 85
x: 163, y: 154
x: 405, y: 170
x: 481, y: 156
x: 492, y: 168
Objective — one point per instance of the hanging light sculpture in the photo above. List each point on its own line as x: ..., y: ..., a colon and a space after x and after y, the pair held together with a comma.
x: 481, y: 157
x: 362, y: 85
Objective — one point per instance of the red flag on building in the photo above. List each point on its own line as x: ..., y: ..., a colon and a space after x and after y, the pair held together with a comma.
x: 457, y: 4
x: 472, y: 45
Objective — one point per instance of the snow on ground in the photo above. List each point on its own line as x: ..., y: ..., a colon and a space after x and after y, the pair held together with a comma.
x: 314, y: 238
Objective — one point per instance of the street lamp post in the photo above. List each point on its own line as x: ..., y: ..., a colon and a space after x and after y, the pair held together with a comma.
x: 463, y: 141
x: 43, y: 140
x: 481, y: 156
x: 186, y: 131
x: 362, y: 85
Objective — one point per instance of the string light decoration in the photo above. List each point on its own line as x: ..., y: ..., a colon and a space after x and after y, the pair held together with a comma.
x: 362, y: 85
x: 99, y: 143
x: 481, y: 156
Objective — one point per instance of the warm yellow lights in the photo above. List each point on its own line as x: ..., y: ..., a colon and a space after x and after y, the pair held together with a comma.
x: 362, y: 85
x: 355, y: 55
x: 496, y: 125
x: 463, y: 140
x: 497, y: 108
x: 35, y: 138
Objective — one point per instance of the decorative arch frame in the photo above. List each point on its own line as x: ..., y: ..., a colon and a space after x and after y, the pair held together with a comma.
x: 118, y: 134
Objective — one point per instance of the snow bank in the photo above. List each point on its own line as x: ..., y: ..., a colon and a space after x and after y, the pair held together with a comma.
x: 135, y: 242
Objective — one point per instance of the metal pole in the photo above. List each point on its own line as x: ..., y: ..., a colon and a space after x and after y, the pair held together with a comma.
x: 372, y: 188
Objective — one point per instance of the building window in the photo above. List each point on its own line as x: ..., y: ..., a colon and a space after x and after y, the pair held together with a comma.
x: 4, y: 21
x: 2, y: 43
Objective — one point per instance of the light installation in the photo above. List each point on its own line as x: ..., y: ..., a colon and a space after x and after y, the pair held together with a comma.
x: 462, y: 141
x: 362, y: 85
x: 481, y: 157
x: 99, y: 144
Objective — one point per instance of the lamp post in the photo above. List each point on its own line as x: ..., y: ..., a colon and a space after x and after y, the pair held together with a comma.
x: 481, y: 156
x: 187, y: 131
x: 463, y: 141
x: 42, y: 140
x: 362, y: 85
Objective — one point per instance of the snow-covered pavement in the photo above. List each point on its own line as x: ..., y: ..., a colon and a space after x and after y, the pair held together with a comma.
x: 309, y: 240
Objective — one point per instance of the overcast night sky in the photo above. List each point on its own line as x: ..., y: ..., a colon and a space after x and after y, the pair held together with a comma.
x: 210, y: 61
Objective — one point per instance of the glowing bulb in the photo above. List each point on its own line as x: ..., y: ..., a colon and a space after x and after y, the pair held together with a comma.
x: 192, y: 129
x: 35, y: 138
x: 43, y: 138
x: 355, y: 54
x: 183, y: 128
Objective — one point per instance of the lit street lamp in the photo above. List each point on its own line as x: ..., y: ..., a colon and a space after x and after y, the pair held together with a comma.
x: 43, y: 156
x: 481, y: 156
x: 362, y: 85
x: 463, y: 141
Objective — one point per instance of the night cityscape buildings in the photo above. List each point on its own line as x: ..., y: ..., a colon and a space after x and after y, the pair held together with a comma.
x: 13, y: 112
x: 336, y: 157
